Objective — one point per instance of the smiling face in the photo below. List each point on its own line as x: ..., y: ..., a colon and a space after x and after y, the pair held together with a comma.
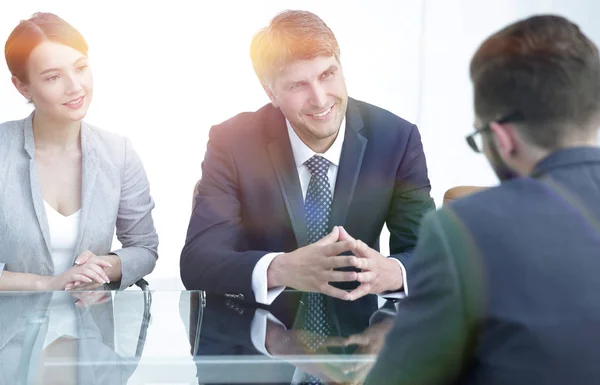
x: 313, y: 97
x: 59, y: 82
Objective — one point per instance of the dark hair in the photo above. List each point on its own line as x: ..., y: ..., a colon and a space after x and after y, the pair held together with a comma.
x: 545, y: 69
x: 291, y: 36
x: 30, y: 33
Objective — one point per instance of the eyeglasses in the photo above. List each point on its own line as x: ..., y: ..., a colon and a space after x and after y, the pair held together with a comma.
x: 475, y: 141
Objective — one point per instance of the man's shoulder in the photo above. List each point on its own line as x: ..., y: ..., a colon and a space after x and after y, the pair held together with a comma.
x: 481, y: 214
x: 377, y: 118
x: 246, y: 124
x: 505, y: 204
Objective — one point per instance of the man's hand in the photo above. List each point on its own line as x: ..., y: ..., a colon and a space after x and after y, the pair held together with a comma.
x: 370, y: 342
x: 289, y: 345
x: 281, y: 343
x: 379, y: 274
x: 310, y: 268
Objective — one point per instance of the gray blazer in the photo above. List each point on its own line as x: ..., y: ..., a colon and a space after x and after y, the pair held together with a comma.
x: 115, y: 194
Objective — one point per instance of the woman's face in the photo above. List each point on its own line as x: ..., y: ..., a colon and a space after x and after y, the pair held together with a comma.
x: 60, y: 82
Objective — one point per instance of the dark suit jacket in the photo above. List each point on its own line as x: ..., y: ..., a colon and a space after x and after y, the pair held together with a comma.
x: 504, y: 285
x: 250, y: 203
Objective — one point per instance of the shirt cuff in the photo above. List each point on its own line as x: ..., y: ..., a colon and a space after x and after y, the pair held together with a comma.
x: 258, y: 329
x: 402, y: 292
x: 1, y: 268
x: 260, y: 286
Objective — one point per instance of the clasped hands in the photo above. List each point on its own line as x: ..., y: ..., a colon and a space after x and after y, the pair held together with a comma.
x: 88, y: 273
x: 311, y: 268
x: 281, y: 343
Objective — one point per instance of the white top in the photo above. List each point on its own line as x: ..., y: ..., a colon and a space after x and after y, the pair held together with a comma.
x: 63, y: 237
x: 63, y: 240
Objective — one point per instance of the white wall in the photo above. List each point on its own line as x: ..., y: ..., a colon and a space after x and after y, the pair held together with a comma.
x: 453, y: 31
x: 166, y: 71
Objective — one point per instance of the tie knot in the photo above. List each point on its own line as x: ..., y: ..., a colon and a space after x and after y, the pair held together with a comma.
x: 317, y: 165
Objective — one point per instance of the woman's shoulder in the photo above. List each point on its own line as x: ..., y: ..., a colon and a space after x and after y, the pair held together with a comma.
x: 11, y: 133
x: 108, y: 142
x: 12, y: 127
x: 108, y: 145
x: 104, y: 136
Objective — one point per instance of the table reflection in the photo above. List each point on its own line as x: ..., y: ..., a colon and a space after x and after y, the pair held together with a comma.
x: 272, y: 343
x: 172, y: 337
x: 65, y: 338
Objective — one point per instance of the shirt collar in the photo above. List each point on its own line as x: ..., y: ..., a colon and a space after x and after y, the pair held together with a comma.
x: 302, y: 152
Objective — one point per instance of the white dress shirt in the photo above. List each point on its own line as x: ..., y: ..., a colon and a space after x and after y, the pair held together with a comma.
x: 302, y: 153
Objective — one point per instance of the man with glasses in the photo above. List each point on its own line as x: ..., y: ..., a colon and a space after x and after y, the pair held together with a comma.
x: 505, y: 282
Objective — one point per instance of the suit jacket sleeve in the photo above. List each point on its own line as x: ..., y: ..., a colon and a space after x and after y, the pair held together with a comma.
x: 410, y: 199
x: 216, y: 256
x: 434, y: 333
x: 135, y: 227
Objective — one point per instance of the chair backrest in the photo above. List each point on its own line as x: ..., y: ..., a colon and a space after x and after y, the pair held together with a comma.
x: 461, y: 191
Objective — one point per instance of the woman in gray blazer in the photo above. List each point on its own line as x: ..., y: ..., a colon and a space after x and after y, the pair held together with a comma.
x: 66, y: 185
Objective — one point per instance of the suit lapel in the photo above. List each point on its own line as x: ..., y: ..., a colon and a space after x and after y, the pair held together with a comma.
x: 36, y: 189
x: 282, y: 158
x: 38, y: 203
x: 88, y: 179
x: 280, y: 152
x: 353, y: 150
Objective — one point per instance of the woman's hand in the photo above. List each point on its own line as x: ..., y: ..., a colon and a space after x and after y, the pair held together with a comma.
x: 92, y: 271
x: 90, y: 298
x: 112, y: 271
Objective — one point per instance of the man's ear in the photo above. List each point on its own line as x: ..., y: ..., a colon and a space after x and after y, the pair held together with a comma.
x: 505, y: 138
x: 22, y: 87
x: 270, y: 94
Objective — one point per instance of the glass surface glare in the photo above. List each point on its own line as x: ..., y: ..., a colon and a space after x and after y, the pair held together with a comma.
x: 136, y: 337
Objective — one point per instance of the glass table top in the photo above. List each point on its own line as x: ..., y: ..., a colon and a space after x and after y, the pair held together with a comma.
x: 186, y: 337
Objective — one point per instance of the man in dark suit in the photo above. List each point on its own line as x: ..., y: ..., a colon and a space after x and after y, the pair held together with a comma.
x: 277, y: 183
x: 504, y: 283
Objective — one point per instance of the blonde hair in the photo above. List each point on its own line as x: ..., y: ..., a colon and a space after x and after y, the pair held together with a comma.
x: 291, y: 36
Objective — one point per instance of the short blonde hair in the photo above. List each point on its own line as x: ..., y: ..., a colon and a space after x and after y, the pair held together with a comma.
x: 291, y: 36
